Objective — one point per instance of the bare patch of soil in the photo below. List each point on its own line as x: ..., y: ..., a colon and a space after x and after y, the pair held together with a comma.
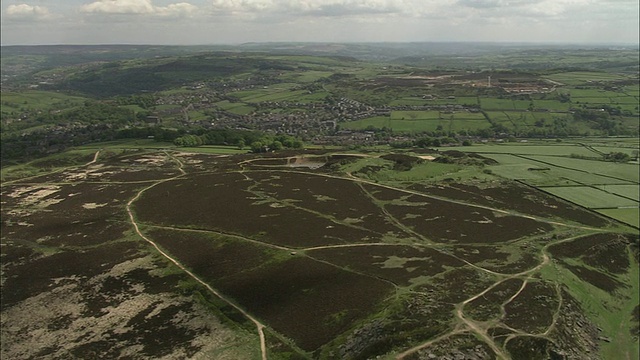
x: 104, y: 303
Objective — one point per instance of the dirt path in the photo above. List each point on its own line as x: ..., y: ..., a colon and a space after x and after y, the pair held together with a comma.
x: 481, y: 329
x: 465, y: 325
x: 238, y: 237
x: 417, y: 193
x: 22, y: 180
x: 260, y: 327
x: 95, y: 158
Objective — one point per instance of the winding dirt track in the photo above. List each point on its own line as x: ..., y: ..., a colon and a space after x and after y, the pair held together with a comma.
x: 465, y: 325
x: 259, y: 325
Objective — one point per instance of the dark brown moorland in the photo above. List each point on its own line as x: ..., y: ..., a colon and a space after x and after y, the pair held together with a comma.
x: 177, y: 255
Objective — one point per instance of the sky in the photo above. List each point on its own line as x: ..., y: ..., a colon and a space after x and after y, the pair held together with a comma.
x: 205, y: 22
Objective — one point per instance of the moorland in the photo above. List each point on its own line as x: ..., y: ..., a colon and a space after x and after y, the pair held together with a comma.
x: 298, y: 201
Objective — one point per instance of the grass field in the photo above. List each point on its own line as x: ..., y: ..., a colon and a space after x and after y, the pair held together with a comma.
x: 581, y: 77
x: 628, y: 191
x: 213, y: 149
x: 590, y: 183
x: 127, y: 144
x: 532, y: 148
x: 236, y: 108
x: 541, y: 174
x: 590, y: 197
x: 616, y: 171
x: 38, y: 100
x: 629, y: 216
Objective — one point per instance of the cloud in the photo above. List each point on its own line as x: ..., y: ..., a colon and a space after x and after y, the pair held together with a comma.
x: 139, y: 7
x: 525, y: 8
x: 119, y: 7
x: 177, y: 10
x: 318, y: 8
x: 26, y: 12
x: 332, y: 8
x: 491, y: 4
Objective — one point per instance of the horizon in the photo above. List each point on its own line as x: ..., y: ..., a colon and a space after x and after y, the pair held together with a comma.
x: 284, y: 42
x: 230, y: 22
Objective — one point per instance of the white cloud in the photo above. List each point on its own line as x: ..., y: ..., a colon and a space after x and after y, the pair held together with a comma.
x: 319, y: 8
x: 119, y: 7
x: 177, y: 10
x: 211, y: 21
x: 139, y: 7
x: 26, y: 12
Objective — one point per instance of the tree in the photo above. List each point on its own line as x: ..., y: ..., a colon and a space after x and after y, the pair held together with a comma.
x: 257, y: 147
x: 617, y: 157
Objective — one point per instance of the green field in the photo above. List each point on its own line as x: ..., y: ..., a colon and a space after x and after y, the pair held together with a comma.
x: 236, y: 108
x: 629, y: 216
x: 590, y: 197
x: 213, y: 149
x: 616, y: 171
x: 628, y: 191
x: 580, y: 77
x: 35, y: 100
x: 529, y: 148
x: 594, y: 184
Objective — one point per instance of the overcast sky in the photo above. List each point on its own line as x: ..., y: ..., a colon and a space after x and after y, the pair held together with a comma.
x: 188, y: 22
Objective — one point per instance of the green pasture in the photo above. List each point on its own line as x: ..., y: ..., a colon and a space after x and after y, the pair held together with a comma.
x: 126, y: 144
x: 214, y: 149
x: 426, y: 170
x: 590, y: 197
x: 610, y: 149
x: 551, y: 105
x: 467, y: 100
x: 628, y: 191
x: 197, y: 115
x: 630, y: 100
x: 541, y: 174
x: 416, y: 115
x: 592, y: 93
x: 612, y: 312
x: 523, y: 119
x: 522, y: 104
x: 624, y: 172
x: 310, y: 76
x: 631, y: 122
x: 580, y: 77
x: 69, y: 158
x: 611, y: 144
x: 235, y: 107
x: 632, y: 90
x: 38, y: 100
x: 528, y: 148
x: 496, y: 104
x: 592, y: 100
x: 308, y: 59
x: 411, y: 101
x: 275, y: 94
x: 376, y: 121
x: 629, y: 216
